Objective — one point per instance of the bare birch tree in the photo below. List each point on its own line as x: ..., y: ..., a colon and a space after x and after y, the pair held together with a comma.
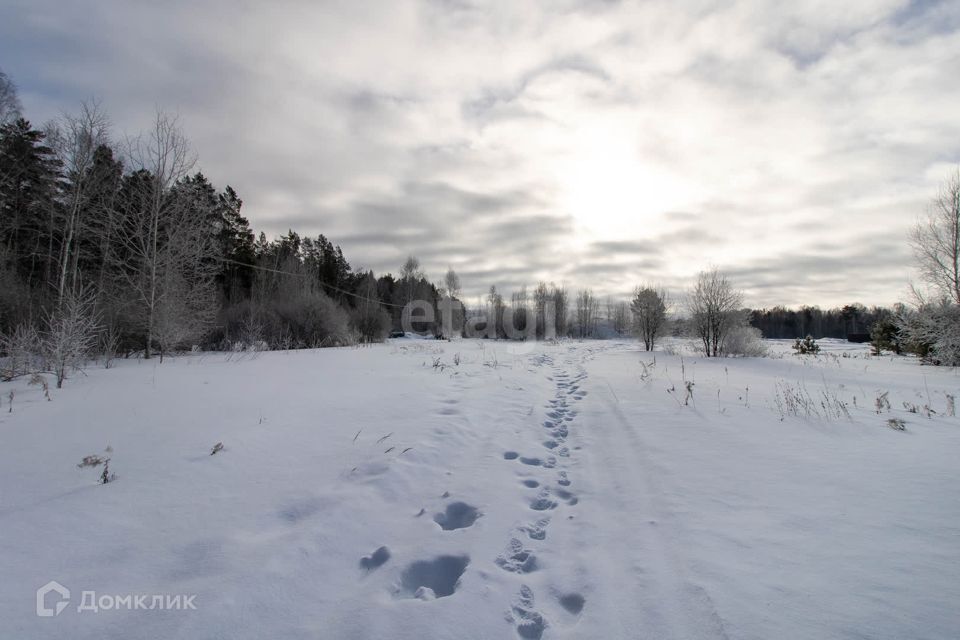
x: 451, y: 283
x: 587, y: 313
x: 410, y: 275
x: 933, y: 326
x: 10, y: 108
x: 541, y: 294
x: 496, y: 308
x: 167, y: 254
x: 519, y: 316
x: 714, y: 304
x: 76, y: 138
x: 936, y: 242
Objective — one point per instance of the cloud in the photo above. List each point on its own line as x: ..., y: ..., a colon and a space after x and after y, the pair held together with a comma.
x: 595, y: 143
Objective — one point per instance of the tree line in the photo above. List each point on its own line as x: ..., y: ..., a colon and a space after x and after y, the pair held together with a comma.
x: 114, y: 246
x: 121, y: 246
x: 841, y: 322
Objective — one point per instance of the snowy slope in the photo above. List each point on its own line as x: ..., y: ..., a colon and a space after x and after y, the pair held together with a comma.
x: 550, y: 490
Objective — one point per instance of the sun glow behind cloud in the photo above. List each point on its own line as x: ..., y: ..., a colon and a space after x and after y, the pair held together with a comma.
x: 610, y: 191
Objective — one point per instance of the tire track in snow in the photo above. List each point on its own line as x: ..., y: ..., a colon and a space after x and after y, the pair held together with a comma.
x: 646, y: 588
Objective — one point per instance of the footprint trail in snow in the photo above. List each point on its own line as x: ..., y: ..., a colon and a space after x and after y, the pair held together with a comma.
x: 553, y: 491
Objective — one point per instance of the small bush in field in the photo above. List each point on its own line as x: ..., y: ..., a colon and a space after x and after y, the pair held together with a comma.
x: 744, y: 341
x: 95, y: 461
x: 806, y: 346
x: 23, y: 353
x: 39, y: 380
x: 882, y: 402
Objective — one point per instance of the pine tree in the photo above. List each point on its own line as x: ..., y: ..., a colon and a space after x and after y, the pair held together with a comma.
x: 237, y: 246
x: 29, y: 179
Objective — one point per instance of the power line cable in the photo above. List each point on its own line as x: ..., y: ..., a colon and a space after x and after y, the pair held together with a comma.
x: 308, y: 275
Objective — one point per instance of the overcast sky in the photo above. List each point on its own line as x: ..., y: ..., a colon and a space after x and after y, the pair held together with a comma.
x: 589, y: 142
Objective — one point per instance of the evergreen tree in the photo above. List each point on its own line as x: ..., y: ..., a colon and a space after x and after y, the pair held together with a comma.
x: 29, y: 180
x: 237, y: 246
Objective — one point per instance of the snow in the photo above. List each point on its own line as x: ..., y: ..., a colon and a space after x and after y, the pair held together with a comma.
x: 531, y: 490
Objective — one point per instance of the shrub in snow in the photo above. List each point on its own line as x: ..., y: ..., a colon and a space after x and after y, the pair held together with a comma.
x: 308, y: 320
x: 882, y: 402
x: 292, y: 317
x: 897, y: 424
x: 40, y: 381
x: 806, y: 346
x: 20, y: 353
x: 744, y: 340
x: 216, y: 448
x: 183, y: 314
x: 109, y: 344
x: 371, y: 322
x: 71, y: 332
x: 932, y: 331
x: 95, y: 461
x: 316, y: 321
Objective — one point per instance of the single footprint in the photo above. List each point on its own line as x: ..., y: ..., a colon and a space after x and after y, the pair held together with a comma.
x: 572, y: 602
x: 458, y: 515
x: 530, y: 623
x: 510, y: 455
x: 543, y: 502
x: 531, y: 483
x: 429, y: 579
x: 517, y: 559
x: 538, y: 530
x: 564, y: 480
x: 533, y: 462
x: 375, y: 559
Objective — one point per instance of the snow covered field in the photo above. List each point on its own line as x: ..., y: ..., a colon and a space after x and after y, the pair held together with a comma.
x: 557, y: 490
